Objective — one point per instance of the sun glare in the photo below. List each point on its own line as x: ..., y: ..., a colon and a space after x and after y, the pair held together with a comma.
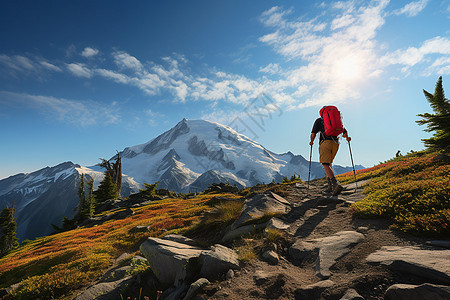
x: 348, y: 68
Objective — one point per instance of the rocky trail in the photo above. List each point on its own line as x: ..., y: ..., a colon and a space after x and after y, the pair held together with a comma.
x: 321, y: 252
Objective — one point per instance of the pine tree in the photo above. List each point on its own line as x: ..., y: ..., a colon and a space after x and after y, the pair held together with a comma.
x: 439, y: 122
x: 114, y: 170
x: 91, y: 198
x: 150, y: 189
x: 8, y: 226
x: 106, y: 190
x: 82, y: 197
x: 87, y: 204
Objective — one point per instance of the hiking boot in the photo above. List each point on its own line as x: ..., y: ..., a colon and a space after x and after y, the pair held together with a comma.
x: 329, y: 188
x: 337, y: 187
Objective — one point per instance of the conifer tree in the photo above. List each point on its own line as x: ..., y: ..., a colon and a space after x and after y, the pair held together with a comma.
x: 106, y: 190
x: 8, y: 226
x: 439, y: 122
x: 150, y: 189
x: 81, y: 192
x: 114, y: 170
x: 82, y: 197
x: 87, y: 204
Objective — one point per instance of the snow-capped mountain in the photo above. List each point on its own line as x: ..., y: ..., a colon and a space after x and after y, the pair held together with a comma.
x: 44, y: 197
x: 196, y: 153
x: 187, y: 158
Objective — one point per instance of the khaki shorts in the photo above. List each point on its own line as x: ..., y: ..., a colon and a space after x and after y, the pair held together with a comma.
x: 327, y: 151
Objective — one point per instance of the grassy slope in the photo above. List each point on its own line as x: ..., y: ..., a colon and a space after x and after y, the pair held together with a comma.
x: 53, y: 266
x: 413, y: 191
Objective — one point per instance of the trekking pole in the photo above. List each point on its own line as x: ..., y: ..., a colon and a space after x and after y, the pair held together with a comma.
x: 353, y: 165
x: 309, y: 172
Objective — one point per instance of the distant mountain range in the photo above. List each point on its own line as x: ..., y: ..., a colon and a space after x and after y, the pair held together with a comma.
x: 187, y: 158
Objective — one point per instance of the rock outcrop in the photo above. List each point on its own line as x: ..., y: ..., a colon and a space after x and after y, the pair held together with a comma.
x: 325, y: 250
x: 432, y: 264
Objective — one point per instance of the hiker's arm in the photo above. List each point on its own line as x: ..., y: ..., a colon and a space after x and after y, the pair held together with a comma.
x: 345, y: 135
x: 313, y: 136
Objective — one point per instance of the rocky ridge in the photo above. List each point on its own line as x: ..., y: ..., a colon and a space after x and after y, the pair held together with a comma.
x: 321, y: 253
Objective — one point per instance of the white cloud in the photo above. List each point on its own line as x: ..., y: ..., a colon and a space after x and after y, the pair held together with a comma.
x: 29, y: 66
x: 89, y: 52
x: 117, y: 77
x: 270, y: 69
x: 413, y: 56
x: 125, y: 61
x: 440, y: 66
x: 275, y: 16
x: 79, y: 70
x: 342, y: 21
x: 412, y: 9
x: 50, y: 66
x: 79, y: 113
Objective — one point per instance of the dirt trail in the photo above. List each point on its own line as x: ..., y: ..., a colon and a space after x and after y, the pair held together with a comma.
x: 315, y: 215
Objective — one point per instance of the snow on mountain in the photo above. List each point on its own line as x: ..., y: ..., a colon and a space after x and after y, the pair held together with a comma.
x: 196, y: 153
x: 44, y: 197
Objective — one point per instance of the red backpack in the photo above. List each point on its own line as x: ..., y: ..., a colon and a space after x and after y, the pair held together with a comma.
x: 332, y: 120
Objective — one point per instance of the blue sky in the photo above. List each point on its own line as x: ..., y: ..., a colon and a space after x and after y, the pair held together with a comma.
x: 82, y: 79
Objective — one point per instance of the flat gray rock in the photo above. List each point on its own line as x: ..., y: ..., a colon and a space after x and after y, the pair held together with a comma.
x: 325, y: 250
x: 170, y: 261
x: 313, y: 291
x: 417, y: 292
x: 260, y: 205
x: 276, y: 223
x: 431, y: 264
x: 218, y: 261
x: 105, y: 290
x: 439, y: 243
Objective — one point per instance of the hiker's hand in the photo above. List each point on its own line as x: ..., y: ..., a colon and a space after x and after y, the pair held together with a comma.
x: 311, y: 143
x: 348, y: 139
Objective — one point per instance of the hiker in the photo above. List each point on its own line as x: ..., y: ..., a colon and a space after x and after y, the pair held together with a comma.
x: 329, y: 143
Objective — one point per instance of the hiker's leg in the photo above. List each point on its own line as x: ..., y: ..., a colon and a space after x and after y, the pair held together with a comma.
x: 328, y: 170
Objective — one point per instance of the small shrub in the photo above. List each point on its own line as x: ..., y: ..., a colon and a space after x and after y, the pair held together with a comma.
x: 412, y: 191
x: 246, y: 251
x: 273, y: 236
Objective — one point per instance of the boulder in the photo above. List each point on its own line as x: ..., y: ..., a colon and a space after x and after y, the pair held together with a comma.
x: 193, y: 289
x: 431, y: 264
x: 105, y: 290
x: 352, y: 294
x: 261, y: 205
x: 276, y: 223
x: 170, y: 261
x: 271, y: 257
x: 417, y: 292
x: 325, y: 250
x: 218, y: 261
x: 313, y: 291
x: 230, y: 274
x: 439, y: 243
